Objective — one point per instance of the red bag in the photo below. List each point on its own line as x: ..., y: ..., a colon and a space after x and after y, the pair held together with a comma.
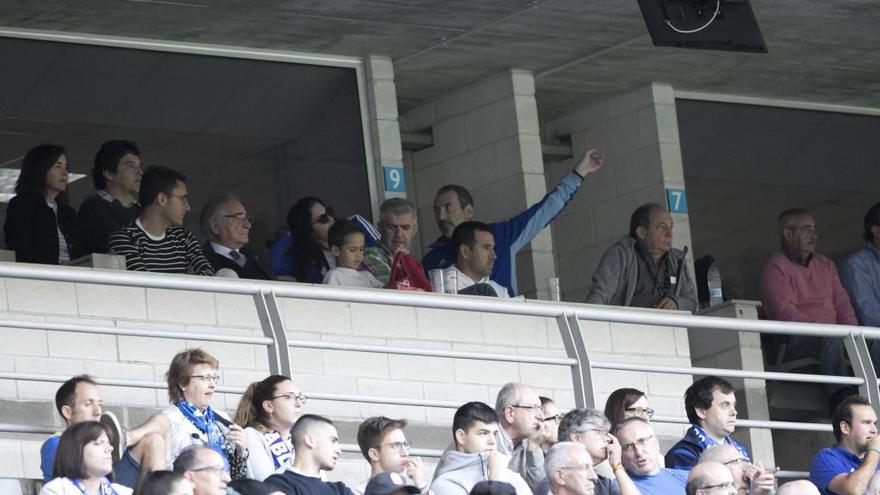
x: 407, y: 273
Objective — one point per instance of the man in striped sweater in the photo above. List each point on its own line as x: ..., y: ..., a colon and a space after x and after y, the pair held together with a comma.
x: 156, y: 240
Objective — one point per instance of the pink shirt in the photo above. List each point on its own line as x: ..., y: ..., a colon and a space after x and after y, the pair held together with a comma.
x: 812, y: 294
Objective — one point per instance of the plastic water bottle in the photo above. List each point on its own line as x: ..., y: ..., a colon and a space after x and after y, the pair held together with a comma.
x: 713, y: 277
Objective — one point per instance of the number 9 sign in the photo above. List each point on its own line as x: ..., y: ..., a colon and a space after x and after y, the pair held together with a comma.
x: 394, y: 179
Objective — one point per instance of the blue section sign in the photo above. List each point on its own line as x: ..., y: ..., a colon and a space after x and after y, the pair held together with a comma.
x: 677, y: 200
x: 394, y: 179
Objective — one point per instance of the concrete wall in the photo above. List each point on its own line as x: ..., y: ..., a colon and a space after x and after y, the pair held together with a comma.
x: 322, y: 371
x: 486, y: 139
x: 638, y: 135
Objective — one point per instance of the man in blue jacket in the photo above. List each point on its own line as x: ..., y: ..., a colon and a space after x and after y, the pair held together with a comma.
x: 711, y: 408
x: 453, y: 205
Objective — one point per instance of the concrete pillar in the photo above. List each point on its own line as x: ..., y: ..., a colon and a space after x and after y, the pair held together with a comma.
x: 384, y: 129
x: 638, y: 134
x: 485, y: 138
x: 738, y: 351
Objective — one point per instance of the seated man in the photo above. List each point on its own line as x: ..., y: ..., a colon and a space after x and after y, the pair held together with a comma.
x: 398, y: 225
x: 205, y: 468
x: 550, y: 423
x: 641, y: 455
x: 453, y: 205
x: 520, y: 417
x: 751, y: 479
x: 589, y: 427
x: 316, y: 449
x: 224, y: 220
x: 860, y: 274
x: 799, y: 487
x: 384, y: 445
x: 643, y: 269
x: 475, y: 247
x: 849, y: 466
x: 117, y: 177
x: 708, y: 478
x: 710, y: 404
x: 156, y: 242
x: 569, y: 469
x: 77, y: 400
x: 801, y: 285
x: 474, y: 459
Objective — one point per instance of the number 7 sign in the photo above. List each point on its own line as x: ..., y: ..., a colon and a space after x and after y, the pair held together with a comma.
x: 677, y: 200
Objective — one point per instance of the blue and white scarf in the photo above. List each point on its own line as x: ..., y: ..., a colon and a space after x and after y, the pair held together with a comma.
x: 106, y: 487
x: 279, y: 449
x: 705, y: 442
x: 206, y: 424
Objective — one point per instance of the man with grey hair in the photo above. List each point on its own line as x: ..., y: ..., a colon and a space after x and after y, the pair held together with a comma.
x: 589, y: 427
x: 799, y: 284
x: 640, y: 454
x: 570, y: 470
x: 398, y: 225
x: 751, y: 479
x: 226, y: 222
x: 520, y: 417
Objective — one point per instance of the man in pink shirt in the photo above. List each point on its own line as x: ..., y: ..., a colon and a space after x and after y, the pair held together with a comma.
x: 799, y: 284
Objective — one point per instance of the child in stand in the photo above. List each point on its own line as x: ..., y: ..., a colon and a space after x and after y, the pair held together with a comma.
x: 347, y: 243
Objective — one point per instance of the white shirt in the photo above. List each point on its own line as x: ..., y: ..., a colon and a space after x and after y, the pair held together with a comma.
x: 463, y: 282
x: 223, y: 250
x: 63, y: 486
x: 349, y: 277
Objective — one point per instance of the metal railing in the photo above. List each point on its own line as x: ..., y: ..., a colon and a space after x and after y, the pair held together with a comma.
x: 567, y: 316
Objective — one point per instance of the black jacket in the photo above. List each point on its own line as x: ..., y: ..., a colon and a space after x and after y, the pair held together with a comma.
x: 256, y: 267
x: 98, y: 218
x: 31, y: 230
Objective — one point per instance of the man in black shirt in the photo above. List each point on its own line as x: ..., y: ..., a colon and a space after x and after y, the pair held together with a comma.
x: 316, y: 446
x: 117, y: 177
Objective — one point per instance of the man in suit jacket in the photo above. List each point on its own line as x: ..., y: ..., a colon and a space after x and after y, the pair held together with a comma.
x: 224, y: 219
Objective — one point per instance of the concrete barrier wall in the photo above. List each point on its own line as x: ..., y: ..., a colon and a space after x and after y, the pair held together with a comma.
x: 324, y: 371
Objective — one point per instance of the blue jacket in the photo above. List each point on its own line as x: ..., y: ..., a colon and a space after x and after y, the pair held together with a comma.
x: 511, y: 235
x: 686, y: 453
x: 860, y: 276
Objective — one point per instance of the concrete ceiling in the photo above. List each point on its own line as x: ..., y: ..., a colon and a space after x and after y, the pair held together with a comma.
x: 579, y: 50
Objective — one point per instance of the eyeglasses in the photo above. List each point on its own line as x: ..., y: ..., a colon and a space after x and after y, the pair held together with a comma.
x: 323, y: 219
x: 601, y: 431
x: 806, y: 229
x: 300, y: 397
x: 641, y: 411
x: 397, y: 446
x: 240, y: 217
x: 557, y: 418
x: 727, y: 486
x: 216, y: 469
x: 533, y: 409
x: 208, y: 378
x: 579, y: 467
x: 642, y: 443
x: 738, y: 460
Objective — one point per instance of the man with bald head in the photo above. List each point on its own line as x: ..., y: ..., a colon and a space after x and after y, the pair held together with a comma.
x: 710, y: 478
x: 205, y: 469
x: 641, y: 459
x: 316, y: 446
x: 519, y: 436
x: 569, y: 468
x: 799, y: 487
x: 751, y: 479
x: 799, y: 284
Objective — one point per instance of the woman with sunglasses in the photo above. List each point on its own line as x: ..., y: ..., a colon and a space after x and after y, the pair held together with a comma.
x: 268, y: 409
x: 83, y: 463
x: 303, y: 253
x: 625, y: 403
x: 40, y: 226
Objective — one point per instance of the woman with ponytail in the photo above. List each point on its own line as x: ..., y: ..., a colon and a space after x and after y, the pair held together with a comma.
x: 268, y: 410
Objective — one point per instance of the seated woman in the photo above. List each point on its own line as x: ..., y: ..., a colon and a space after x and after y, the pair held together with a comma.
x: 192, y: 378
x: 268, y: 409
x: 83, y: 463
x: 164, y: 483
x: 303, y: 253
x: 625, y: 403
x: 40, y: 226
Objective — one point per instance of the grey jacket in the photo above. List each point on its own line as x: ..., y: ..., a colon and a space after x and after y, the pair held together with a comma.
x: 527, y: 463
x: 614, y: 281
x: 458, y: 472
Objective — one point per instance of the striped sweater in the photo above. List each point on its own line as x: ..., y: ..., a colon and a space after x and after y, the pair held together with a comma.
x: 177, y: 252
